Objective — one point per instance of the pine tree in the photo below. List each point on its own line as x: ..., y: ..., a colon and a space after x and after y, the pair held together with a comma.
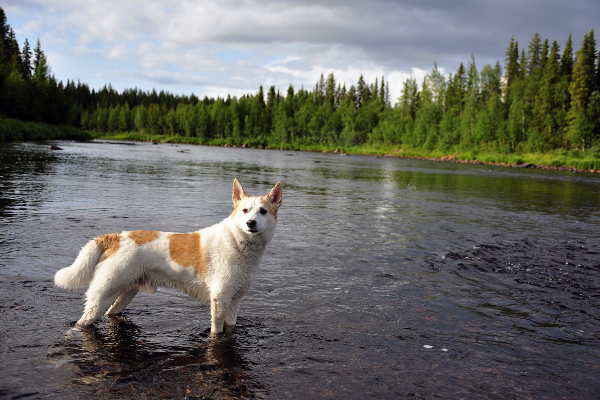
x: 562, y: 98
x: 545, y: 107
x: 37, y: 54
x: 320, y: 91
x: 289, y: 102
x: 4, y: 47
x: 534, y: 54
x: 16, y: 61
x: 362, y: 92
x: 375, y: 89
x: 26, y: 59
x: 387, y: 93
x: 270, y: 108
x: 566, y: 61
x: 460, y: 87
x: 409, y: 99
x: 581, y: 89
x: 544, y: 55
x: 42, y: 71
x: 330, y: 90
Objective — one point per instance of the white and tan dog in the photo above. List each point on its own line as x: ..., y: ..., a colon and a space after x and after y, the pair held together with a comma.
x: 215, y: 265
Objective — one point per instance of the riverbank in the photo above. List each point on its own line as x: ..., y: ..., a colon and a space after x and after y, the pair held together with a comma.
x: 16, y: 130
x: 588, y: 161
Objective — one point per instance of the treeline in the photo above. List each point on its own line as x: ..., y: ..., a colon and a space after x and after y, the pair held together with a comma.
x: 328, y: 114
x: 28, y: 90
x: 542, y: 99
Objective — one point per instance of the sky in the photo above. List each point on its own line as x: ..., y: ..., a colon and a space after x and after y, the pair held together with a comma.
x: 216, y: 48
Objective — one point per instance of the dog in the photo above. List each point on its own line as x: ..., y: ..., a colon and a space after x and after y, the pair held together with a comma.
x: 215, y: 265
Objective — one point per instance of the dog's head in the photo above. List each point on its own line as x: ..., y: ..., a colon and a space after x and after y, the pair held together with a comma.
x: 253, y: 214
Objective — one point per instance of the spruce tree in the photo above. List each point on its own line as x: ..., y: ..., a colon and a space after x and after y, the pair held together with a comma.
x: 562, y: 98
x: 260, y: 97
x: 566, y: 61
x: 26, y: 59
x: 37, y: 54
x: 4, y: 27
x: 15, y: 53
x: 42, y: 71
x: 544, y: 55
x: 361, y: 92
x: 289, y: 102
x: 330, y: 90
x: 460, y: 81
x: 511, y: 63
x: 534, y: 54
x: 270, y: 108
x: 581, y: 89
x: 545, y: 108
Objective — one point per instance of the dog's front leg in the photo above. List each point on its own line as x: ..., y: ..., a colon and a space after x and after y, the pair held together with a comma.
x: 232, y: 312
x: 218, y: 307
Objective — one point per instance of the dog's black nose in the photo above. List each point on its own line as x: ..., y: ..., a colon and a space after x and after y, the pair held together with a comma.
x: 251, y: 223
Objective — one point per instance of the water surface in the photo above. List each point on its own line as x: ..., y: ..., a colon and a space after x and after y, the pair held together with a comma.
x: 386, y: 277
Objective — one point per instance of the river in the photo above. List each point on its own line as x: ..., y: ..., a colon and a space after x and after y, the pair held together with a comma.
x: 386, y: 278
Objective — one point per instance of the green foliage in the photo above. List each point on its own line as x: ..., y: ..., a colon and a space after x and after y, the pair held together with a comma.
x: 14, y: 129
x: 583, y: 88
x: 543, y: 102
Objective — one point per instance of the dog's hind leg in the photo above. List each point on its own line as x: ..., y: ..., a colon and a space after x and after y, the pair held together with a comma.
x: 94, y: 308
x: 101, y: 294
x: 122, y: 301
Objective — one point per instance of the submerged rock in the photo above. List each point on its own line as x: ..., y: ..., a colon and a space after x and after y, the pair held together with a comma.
x: 53, y: 147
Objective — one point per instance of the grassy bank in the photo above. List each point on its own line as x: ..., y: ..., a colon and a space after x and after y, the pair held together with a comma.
x: 14, y: 130
x: 559, y: 159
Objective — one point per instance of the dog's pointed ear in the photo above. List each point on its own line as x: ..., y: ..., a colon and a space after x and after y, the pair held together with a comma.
x: 275, y: 195
x: 238, y: 192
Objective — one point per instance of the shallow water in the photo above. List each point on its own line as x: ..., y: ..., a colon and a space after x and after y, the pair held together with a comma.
x: 386, y: 278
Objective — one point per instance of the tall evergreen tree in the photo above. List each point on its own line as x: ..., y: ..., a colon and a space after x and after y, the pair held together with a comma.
x: 562, y: 96
x: 26, y: 59
x: 362, y: 92
x: 5, y: 55
x: 581, y: 89
x: 534, y: 54
x: 42, y: 71
x: 566, y: 61
x: 260, y: 97
x: 37, y: 54
x: 545, y: 107
x: 330, y: 90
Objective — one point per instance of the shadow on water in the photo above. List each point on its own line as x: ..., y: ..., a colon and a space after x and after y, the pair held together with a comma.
x: 119, y: 360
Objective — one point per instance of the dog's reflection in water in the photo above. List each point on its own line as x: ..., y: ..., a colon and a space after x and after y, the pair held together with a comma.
x: 123, y: 361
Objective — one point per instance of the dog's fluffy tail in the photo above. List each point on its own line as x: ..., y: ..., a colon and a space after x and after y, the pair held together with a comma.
x: 80, y: 274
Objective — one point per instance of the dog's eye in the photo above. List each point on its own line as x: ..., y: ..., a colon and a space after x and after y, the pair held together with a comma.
x: 245, y: 211
x: 262, y: 211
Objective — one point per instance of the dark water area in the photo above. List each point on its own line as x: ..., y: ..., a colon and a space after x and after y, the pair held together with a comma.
x: 387, y: 278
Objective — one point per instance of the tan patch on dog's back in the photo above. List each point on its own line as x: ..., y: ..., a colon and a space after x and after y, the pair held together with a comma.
x: 186, y: 251
x: 108, y: 244
x: 143, y: 237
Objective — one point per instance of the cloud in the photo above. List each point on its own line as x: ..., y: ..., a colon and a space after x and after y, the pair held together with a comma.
x: 237, y: 45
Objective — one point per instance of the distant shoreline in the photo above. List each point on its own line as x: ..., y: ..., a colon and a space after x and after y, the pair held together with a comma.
x: 493, y: 159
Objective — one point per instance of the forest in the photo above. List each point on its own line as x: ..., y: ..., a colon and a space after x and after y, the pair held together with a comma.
x: 542, y: 98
